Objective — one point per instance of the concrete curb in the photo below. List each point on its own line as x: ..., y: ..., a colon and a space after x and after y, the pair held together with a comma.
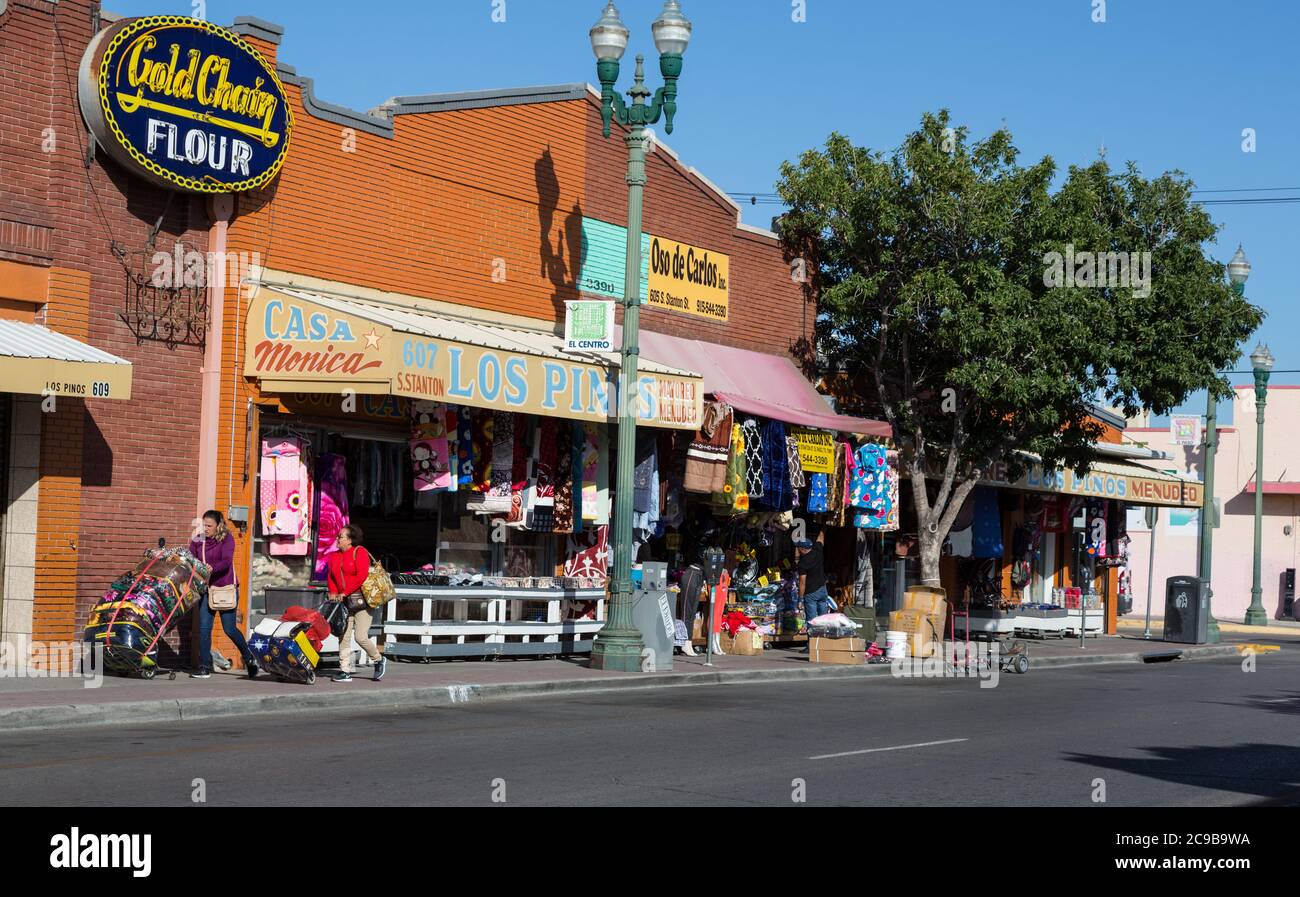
x: 189, y: 709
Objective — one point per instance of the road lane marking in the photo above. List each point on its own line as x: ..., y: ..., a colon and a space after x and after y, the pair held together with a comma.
x: 897, y: 747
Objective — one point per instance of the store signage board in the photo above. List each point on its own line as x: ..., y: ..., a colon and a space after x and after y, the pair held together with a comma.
x: 462, y: 374
x: 293, y: 340
x: 688, y: 279
x: 603, y: 266
x: 1132, y: 488
x: 1185, y: 429
x: 589, y: 326
x: 186, y: 104
x: 65, y: 379
x: 674, y: 275
x: 290, y: 339
x: 816, y: 450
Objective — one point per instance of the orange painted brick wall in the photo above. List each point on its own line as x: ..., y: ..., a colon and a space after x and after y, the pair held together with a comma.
x: 430, y: 211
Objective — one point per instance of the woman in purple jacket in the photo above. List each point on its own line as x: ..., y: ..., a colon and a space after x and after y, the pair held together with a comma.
x: 216, y: 548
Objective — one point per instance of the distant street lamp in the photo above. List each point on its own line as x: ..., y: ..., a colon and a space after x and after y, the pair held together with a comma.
x: 619, y: 646
x: 1261, y: 362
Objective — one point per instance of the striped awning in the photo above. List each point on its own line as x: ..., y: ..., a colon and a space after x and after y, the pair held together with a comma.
x: 35, y: 360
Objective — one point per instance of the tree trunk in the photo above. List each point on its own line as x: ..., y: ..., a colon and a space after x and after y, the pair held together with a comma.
x: 931, y: 544
x: 866, y: 584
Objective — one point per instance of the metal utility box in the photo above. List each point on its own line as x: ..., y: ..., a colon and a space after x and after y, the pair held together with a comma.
x: 653, y: 618
x: 1187, y: 611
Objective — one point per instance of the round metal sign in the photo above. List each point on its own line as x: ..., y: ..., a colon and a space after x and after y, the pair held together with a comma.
x: 186, y: 104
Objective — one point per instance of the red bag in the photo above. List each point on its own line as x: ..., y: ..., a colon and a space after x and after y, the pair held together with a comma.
x: 320, y: 629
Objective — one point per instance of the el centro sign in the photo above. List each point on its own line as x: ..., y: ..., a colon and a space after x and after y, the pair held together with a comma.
x: 186, y: 104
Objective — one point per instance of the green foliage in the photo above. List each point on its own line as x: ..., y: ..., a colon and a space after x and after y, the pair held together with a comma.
x: 929, y: 265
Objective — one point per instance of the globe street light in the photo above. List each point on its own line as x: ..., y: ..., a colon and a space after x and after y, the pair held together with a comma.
x: 1261, y: 362
x: 619, y: 646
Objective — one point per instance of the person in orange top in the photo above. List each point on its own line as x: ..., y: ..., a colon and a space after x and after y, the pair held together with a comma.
x: 348, y: 568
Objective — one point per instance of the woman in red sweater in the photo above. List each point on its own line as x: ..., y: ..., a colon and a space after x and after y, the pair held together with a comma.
x: 348, y: 569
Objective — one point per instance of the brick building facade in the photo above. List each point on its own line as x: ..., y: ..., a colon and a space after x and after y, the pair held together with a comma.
x: 110, y: 477
x: 471, y: 201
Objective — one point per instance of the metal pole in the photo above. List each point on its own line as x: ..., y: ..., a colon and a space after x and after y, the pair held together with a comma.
x: 1207, y: 511
x: 1153, y: 517
x: 618, y: 646
x: 1255, y: 615
x: 1083, y: 606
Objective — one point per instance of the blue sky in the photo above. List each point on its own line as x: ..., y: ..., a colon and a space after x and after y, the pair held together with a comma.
x: 1166, y: 83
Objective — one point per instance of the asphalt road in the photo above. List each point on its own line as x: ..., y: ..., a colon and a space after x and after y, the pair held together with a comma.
x: 1179, y: 734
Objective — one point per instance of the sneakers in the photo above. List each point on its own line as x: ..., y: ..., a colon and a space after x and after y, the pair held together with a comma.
x: 380, y: 666
x: 343, y: 677
x: 252, y: 667
x: 201, y: 673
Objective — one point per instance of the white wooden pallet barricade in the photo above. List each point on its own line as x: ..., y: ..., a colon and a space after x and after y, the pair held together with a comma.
x: 487, y: 621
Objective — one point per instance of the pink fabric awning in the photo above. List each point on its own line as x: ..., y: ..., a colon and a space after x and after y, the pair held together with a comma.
x: 755, y: 383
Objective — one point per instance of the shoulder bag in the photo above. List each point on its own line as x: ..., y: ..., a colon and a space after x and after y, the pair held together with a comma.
x: 378, y: 587
x: 222, y: 598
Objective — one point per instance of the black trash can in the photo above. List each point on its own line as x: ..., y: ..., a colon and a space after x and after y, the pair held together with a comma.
x: 1187, y: 611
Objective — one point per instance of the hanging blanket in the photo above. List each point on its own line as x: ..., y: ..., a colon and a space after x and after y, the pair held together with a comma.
x: 281, y: 476
x: 430, y: 461
x: 776, y: 470
x: 332, y: 474
x: 753, y: 459
x: 706, y: 459
x: 873, y: 490
x: 589, y: 555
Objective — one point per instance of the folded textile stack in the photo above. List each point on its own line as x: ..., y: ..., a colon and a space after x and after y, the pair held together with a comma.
x: 141, y: 607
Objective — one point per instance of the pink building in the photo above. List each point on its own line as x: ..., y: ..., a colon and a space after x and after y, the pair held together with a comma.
x: 1177, y: 532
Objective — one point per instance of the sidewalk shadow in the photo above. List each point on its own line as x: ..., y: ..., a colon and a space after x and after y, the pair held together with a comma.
x: 1259, y: 770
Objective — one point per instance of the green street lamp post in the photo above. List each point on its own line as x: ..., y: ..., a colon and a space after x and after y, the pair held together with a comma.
x: 1261, y: 362
x: 1238, y: 273
x: 619, y: 646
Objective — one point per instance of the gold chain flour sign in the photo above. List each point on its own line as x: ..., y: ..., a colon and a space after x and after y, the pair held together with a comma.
x: 688, y: 279
x: 186, y: 104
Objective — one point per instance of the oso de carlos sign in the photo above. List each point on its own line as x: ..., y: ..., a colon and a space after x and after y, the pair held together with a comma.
x: 186, y: 104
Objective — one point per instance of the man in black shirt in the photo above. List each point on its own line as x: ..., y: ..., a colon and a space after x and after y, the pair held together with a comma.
x: 812, y: 579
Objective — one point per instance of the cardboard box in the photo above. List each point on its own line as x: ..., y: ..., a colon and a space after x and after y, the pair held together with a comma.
x: 837, y: 650
x: 925, y: 601
x: 747, y: 643
x: 922, y: 629
x: 906, y: 620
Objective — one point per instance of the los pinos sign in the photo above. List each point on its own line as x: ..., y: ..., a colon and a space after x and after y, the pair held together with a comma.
x: 186, y: 104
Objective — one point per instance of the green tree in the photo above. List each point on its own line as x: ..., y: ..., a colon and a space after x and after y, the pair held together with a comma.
x: 942, y: 307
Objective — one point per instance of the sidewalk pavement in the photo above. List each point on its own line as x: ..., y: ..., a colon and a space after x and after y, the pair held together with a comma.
x: 33, y: 703
x: 1274, y: 627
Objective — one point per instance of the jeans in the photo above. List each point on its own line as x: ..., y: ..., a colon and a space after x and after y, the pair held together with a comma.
x: 816, y: 603
x: 206, y: 618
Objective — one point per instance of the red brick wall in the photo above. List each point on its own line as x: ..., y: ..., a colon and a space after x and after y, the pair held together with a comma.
x: 115, y: 475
